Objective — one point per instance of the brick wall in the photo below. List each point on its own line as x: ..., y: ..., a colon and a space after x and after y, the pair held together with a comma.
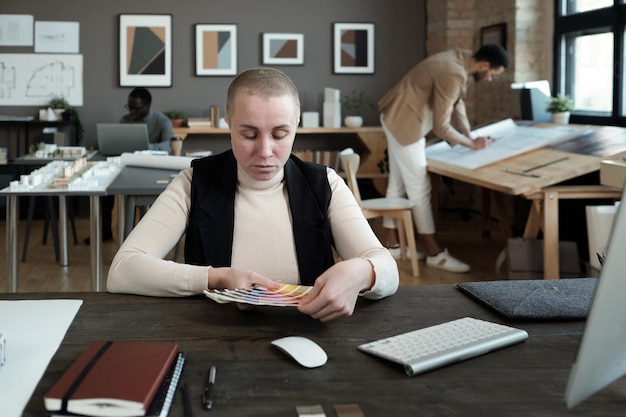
x: 457, y: 24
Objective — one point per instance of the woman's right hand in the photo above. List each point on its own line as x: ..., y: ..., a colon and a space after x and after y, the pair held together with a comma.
x: 228, y: 278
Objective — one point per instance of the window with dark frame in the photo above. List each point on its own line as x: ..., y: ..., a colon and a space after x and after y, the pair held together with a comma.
x: 589, y: 58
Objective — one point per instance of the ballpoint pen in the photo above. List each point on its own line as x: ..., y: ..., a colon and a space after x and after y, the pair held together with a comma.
x: 522, y: 173
x: 565, y: 158
x: 186, y: 401
x: 207, y: 397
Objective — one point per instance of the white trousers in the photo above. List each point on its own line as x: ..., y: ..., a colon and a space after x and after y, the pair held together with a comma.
x: 408, y: 177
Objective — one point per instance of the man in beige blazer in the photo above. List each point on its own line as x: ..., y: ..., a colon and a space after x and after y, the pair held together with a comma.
x: 430, y: 98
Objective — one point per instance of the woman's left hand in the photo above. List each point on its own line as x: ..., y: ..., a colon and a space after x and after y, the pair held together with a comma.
x: 335, y: 292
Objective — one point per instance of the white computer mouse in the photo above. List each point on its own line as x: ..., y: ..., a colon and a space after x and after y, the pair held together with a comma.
x: 304, y: 351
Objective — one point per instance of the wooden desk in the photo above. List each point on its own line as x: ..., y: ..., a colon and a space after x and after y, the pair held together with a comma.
x: 583, y: 156
x: 370, y: 142
x: 255, y: 379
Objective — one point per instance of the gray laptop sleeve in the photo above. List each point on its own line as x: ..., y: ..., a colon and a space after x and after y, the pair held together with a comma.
x: 560, y: 299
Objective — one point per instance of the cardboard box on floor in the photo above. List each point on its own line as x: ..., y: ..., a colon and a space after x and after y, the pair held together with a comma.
x: 599, y: 226
x: 524, y: 258
x: 613, y: 172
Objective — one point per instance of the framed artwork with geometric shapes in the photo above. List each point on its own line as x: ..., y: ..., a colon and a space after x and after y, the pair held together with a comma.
x: 216, y: 49
x: 283, y: 48
x: 145, y: 50
x: 353, y: 48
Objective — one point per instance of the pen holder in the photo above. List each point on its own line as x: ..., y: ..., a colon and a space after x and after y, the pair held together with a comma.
x: 215, y: 116
x: 176, y: 144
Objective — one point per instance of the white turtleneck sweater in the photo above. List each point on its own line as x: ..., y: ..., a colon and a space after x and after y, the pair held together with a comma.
x: 262, y: 239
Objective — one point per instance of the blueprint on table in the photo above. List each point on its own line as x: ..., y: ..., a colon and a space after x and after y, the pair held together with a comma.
x: 511, y: 140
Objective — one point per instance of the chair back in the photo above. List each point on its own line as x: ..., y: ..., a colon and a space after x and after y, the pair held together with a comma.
x: 350, y: 162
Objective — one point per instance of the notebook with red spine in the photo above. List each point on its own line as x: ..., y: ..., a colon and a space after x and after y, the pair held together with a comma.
x: 113, y: 379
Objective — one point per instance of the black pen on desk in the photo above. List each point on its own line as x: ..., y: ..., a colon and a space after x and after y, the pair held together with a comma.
x: 565, y: 158
x: 207, y: 397
x: 522, y: 173
x: 186, y: 401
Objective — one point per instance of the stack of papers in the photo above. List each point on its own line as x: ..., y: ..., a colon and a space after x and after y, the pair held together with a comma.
x: 511, y: 140
x: 285, y: 296
x: 199, y: 122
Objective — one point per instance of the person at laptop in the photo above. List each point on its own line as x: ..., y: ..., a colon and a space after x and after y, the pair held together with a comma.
x: 159, y: 125
x: 430, y: 98
x: 159, y: 134
x: 257, y: 215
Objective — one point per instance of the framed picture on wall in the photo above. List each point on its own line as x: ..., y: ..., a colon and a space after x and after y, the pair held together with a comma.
x: 283, y: 48
x: 494, y: 34
x: 145, y: 50
x: 353, y: 48
x: 216, y: 49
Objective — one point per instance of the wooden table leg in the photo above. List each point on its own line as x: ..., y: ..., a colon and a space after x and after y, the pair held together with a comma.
x: 95, y: 228
x: 534, y: 221
x: 551, y: 235
x: 11, y: 242
x: 435, y: 181
x: 410, y: 238
x: 503, y: 219
x: 485, y: 194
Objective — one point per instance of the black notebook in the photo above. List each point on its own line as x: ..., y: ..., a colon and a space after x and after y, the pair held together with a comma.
x: 562, y: 299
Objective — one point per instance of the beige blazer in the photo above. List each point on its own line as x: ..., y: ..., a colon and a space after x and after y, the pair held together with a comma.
x: 429, y: 98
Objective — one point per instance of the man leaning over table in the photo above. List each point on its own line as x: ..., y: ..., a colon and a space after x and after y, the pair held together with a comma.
x: 257, y: 215
x: 430, y: 98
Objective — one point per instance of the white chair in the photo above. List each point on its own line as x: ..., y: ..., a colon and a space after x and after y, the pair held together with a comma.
x: 398, y: 208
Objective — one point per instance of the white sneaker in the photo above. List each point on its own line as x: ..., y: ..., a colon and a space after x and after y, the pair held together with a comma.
x: 395, y: 252
x: 443, y: 260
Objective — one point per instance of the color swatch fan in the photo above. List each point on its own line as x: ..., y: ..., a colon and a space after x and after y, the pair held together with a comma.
x: 285, y: 296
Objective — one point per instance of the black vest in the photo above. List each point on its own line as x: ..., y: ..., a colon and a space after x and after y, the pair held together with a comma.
x: 209, y: 235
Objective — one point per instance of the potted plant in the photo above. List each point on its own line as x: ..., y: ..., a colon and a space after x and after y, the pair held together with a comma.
x: 354, y: 103
x: 560, y: 106
x: 177, y: 117
x: 68, y: 113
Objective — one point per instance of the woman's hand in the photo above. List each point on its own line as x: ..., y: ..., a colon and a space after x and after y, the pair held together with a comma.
x: 335, y: 292
x: 237, y: 278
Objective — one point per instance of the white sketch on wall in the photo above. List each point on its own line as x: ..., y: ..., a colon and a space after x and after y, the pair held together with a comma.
x: 37, y: 78
x: 16, y: 29
x: 57, y: 37
x: 7, y: 80
x: 54, y: 79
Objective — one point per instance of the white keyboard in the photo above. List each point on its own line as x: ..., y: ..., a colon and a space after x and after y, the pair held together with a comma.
x: 442, y: 344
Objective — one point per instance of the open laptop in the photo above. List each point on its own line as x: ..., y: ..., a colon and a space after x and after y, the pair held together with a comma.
x: 601, y: 357
x: 117, y: 138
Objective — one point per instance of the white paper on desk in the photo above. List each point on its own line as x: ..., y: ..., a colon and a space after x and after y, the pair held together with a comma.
x: 156, y: 161
x: 511, y: 140
x: 34, y: 330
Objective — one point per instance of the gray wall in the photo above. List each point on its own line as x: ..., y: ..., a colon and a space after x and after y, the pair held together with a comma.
x: 399, y: 42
